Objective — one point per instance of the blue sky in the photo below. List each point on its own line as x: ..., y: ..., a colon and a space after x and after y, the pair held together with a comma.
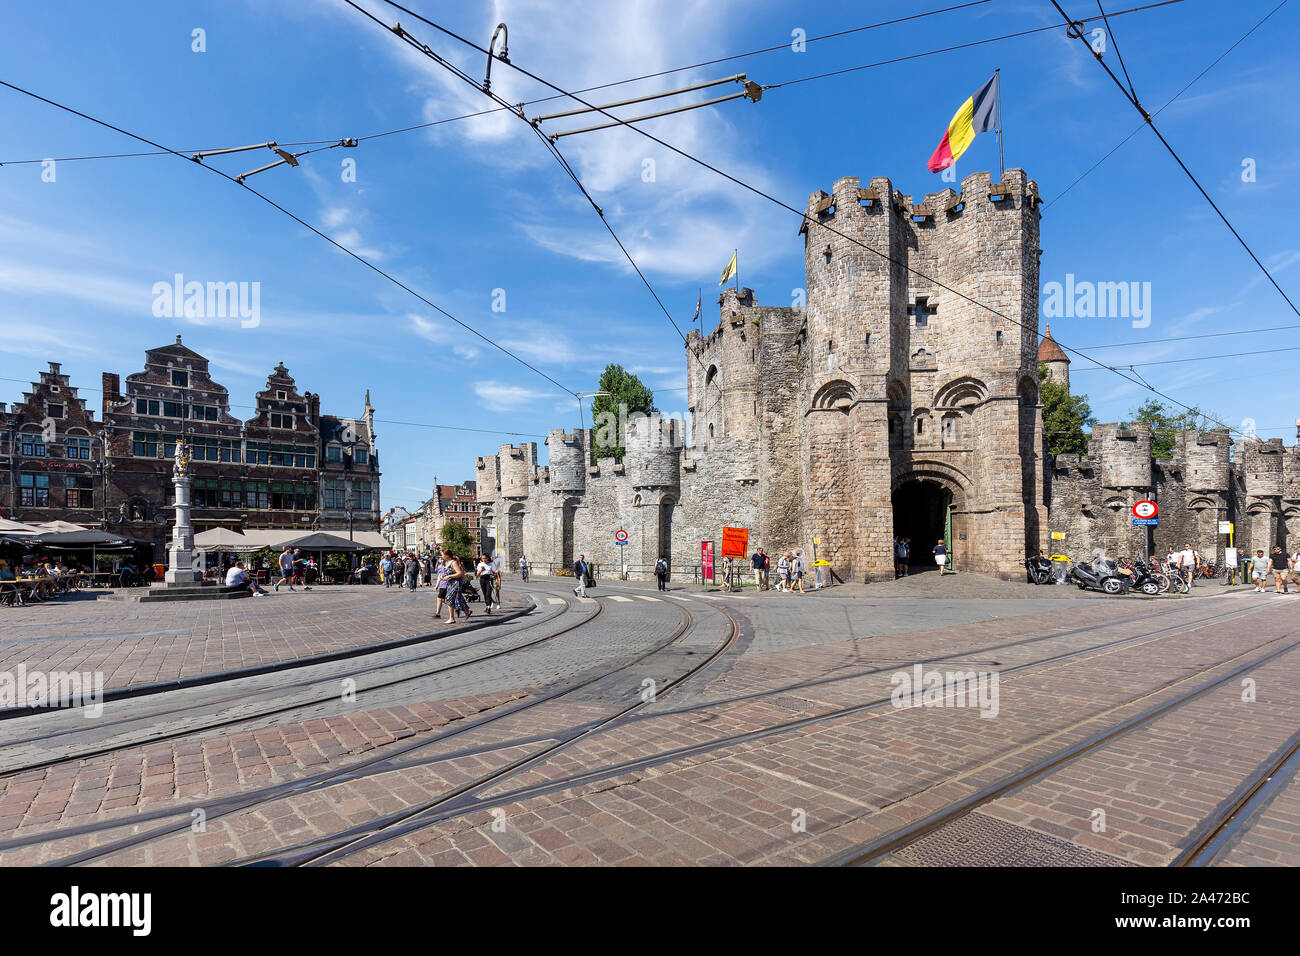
x: 464, y: 209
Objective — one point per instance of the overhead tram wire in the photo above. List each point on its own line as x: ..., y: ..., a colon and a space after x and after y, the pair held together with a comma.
x: 955, y: 47
x: 800, y: 213
x: 647, y: 76
x: 1137, y: 129
x: 302, y: 222
x: 1073, y: 32
x: 547, y: 142
x: 558, y: 96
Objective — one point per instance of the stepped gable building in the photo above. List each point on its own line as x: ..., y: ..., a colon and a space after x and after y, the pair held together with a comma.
x: 349, y: 470
x: 51, y: 450
x: 286, y: 467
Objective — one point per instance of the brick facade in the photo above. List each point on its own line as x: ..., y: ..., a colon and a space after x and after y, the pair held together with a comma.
x: 268, y: 471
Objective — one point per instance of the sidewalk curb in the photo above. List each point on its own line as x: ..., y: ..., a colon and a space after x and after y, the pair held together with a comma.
x: 218, y: 677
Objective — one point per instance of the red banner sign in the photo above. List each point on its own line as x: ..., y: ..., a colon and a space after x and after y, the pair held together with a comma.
x: 706, y: 559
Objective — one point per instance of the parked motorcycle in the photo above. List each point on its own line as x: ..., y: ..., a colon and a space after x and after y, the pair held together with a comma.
x: 1039, y: 568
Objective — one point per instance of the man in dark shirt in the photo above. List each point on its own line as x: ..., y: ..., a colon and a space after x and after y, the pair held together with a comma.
x: 580, y: 575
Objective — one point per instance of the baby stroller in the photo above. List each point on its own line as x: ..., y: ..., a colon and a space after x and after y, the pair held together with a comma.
x: 470, y: 592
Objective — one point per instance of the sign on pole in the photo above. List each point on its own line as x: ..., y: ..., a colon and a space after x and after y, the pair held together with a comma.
x: 620, y: 536
x: 1058, y: 535
x: 1146, y: 521
x: 1145, y: 509
x: 1225, y: 527
x: 735, y: 542
x: 706, y: 560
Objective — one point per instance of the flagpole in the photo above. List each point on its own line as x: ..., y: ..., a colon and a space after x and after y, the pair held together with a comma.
x: 699, y: 310
x: 1002, y: 166
x: 736, y: 254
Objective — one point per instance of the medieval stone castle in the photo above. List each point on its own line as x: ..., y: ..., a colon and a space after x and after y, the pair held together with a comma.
x: 888, y: 405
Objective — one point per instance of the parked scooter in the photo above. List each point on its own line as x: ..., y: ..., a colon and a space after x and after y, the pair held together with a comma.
x: 1143, y: 577
x: 1098, y: 575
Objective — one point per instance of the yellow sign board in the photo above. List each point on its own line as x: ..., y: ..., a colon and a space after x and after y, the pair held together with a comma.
x: 1058, y: 535
x: 816, y: 539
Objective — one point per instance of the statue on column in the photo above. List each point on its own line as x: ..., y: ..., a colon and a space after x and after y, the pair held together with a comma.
x: 181, y: 466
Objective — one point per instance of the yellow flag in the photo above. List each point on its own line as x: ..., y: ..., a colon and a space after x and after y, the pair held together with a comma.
x: 730, y: 271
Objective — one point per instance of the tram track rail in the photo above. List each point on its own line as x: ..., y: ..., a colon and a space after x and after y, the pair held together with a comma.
x: 280, y: 709
x: 868, y: 853
x: 376, y: 764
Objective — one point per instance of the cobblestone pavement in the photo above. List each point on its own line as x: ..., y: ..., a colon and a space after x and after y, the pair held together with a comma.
x: 132, y: 644
x: 580, y: 733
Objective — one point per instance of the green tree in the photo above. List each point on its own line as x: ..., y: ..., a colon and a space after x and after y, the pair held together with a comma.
x: 455, y: 537
x: 627, y: 390
x: 1065, y: 416
x: 1166, y: 423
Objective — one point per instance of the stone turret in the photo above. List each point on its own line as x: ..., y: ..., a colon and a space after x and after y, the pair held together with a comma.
x: 568, y: 455
x: 1054, y: 357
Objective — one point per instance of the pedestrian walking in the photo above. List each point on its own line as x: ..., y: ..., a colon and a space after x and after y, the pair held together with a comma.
x: 1259, y: 570
x: 1187, y: 564
x: 580, y: 575
x: 523, y: 568
x: 496, y: 578
x: 766, y: 569
x: 900, y: 558
x: 1278, y: 565
x: 486, y: 577
x: 300, y: 569
x: 783, y: 573
x: 286, y: 569
x: 797, y: 569
x: 661, y: 573
x: 386, y: 570
x: 941, y: 557
x: 440, y: 573
x: 455, y: 573
x: 412, y: 571
x: 756, y: 562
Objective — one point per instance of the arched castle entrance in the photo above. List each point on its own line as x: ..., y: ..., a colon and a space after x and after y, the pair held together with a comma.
x: 930, y: 504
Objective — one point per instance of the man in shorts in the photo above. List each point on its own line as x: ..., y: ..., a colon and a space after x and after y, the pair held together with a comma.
x: 1259, y: 570
x: 299, y: 569
x: 286, y: 569
x: 1278, y: 565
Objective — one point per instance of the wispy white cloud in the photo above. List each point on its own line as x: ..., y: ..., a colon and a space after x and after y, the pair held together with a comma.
x: 501, y: 397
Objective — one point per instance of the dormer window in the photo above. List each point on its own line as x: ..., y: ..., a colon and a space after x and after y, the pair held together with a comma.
x: 54, y: 411
x: 361, y: 456
x: 280, y: 395
x: 180, y: 379
x: 279, y: 420
x: 333, y: 453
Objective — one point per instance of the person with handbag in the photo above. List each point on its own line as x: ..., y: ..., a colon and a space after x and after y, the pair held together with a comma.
x: 580, y: 574
x: 455, y: 572
x: 661, y: 573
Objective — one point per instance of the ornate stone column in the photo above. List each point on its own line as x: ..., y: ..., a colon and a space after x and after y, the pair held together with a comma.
x: 180, y: 566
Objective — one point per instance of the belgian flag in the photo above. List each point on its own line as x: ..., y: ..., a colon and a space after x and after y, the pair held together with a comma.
x: 977, y: 115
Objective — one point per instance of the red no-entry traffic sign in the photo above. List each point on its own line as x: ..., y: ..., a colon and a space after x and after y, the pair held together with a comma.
x: 1145, y: 509
x: 620, y: 535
